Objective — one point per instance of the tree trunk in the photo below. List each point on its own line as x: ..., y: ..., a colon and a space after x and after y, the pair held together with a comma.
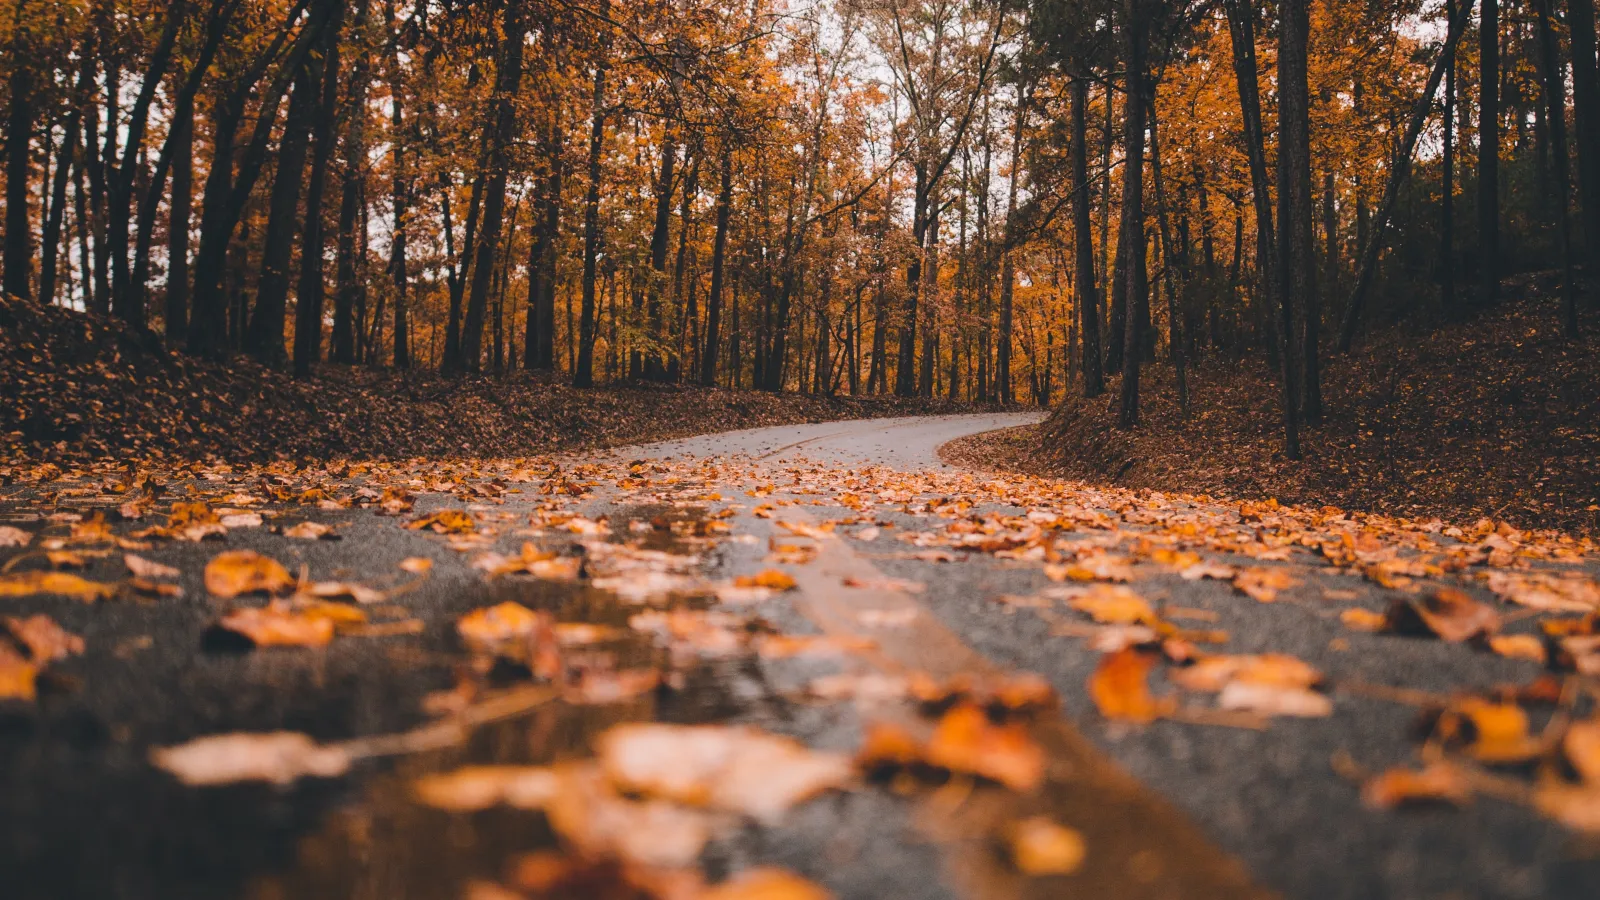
x: 583, y: 372
x: 399, y: 273
x: 1084, y: 285
x: 265, y: 338
x: 719, y: 246
x: 1447, y: 190
x: 654, y: 369
x: 354, y: 153
x: 540, y: 348
x: 309, y: 296
x: 1489, y: 149
x: 1296, y: 199
x: 500, y: 136
x: 1556, y: 102
x: 1586, y: 119
x: 18, y: 254
x: 1134, y: 37
x: 1008, y: 270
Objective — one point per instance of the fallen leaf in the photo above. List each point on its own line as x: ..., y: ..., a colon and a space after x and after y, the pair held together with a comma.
x: 1489, y: 732
x: 1582, y: 748
x: 495, y: 624
x: 280, y: 757
x: 276, y: 625
x: 14, y: 537
x: 1445, y: 612
x: 416, y: 565
x: 17, y: 675
x: 1091, y: 567
x: 446, y: 521
x: 771, y: 579
x: 22, y: 584
x: 310, y: 531
x: 243, y: 572
x: 480, y: 787
x: 1121, y: 690
x: 1577, y: 807
x: 1274, y: 700
x: 766, y: 884
x: 1364, y: 620
x: 1518, y: 646
x: 1041, y: 846
x: 592, y: 817
x: 595, y: 688
x: 1213, y: 673
x: 1113, y: 604
x: 965, y: 740
x: 1572, y: 593
x: 44, y: 640
x: 1262, y: 583
x: 1438, y: 781
x: 140, y: 567
x: 734, y: 769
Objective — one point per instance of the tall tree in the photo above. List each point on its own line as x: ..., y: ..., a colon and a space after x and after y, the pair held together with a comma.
x: 583, y: 371
x: 1489, y: 149
x: 1084, y: 287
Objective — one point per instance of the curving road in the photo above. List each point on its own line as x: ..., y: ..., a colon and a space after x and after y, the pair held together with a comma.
x: 908, y: 442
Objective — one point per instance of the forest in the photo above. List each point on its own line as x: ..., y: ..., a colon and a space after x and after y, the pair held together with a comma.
x: 924, y: 198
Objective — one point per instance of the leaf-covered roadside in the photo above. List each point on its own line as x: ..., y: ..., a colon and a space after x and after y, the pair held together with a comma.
x: 77, y: 388
x: 1496, y: 417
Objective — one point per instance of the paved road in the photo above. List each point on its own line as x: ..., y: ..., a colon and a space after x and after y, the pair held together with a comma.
x: 907, y: 443
x: 1209, y: 810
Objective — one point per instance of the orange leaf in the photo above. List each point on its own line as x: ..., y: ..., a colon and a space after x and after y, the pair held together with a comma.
x: 245, y: 571
x: 1120, y: 689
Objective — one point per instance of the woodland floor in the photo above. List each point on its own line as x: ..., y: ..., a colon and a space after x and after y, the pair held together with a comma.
x: 81, y: 388
x: 1495, y: 417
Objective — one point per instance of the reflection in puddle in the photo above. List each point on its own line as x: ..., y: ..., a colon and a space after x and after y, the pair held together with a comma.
x: 386, y: 845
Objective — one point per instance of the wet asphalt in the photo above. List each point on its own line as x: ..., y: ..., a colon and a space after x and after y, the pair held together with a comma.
x: 82, y: 813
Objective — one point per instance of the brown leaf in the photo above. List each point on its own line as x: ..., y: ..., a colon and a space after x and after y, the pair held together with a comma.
x: 280, y: 757
x: 1262, y: 583
x: 1582, y: 748
x: 140, y: 567
x: 22, y: 584
x: 243, y: 572
x: 494, y: 624
x: 1447, y: 613
x: 1121, y: 690
x: 1364, y: 620
x: 446, y: 521
x: 1518, y: 646
x: 276, y: 625
x: 44, y: 639
x: 1113, y: 604
x: 966, y: 741
x: 17, y: 675
x: 1438, y: 781
x: 1041, y: 846
x: 1488, y: 732
x: 480, y: 787
x: 416, y: 565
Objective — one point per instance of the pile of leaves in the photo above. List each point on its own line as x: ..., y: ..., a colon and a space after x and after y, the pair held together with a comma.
x: 1498, y: 417
x: 78, y: 387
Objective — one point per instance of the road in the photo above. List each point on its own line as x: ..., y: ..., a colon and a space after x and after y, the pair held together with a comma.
x: 1196, y: 803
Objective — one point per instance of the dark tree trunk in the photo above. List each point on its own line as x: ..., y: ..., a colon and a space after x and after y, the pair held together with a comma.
x: 719, y: 246
x: 1556, y: 102
x: 1296, y: 199
x: 583, y: 372
x: 18, y: 254
x: 354, y: 152
x: 540, y: 347
x: 127, y: 301
x: 399, y: 272
x: 67, y: 160
x: 1083, y: 244
x: 500, y: 136
x: 1447, y: 190
x: 1008, y: 269
x: 1586, y: 119
x: 905, y: 376
x: 310, y: 294
x: 654, y: 370
x: 1134, y: 38
x: 265, y: 338
x: 1489, y: 150
x: 1175, y: 265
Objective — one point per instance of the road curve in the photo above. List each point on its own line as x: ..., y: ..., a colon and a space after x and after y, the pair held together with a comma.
x: 909, y: 442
